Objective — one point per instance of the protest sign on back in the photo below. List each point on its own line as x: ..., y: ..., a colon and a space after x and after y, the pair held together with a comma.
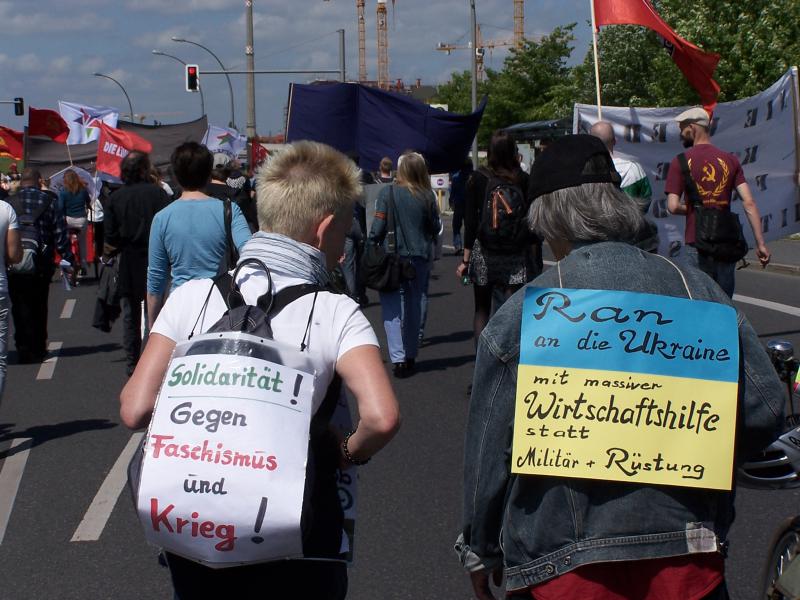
x: 225, y: 462
x: 623, y: 386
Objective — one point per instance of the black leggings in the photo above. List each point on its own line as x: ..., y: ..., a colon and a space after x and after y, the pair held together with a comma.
x: 483, y: 303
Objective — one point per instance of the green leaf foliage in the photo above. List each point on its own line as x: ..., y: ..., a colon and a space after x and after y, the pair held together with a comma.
x: 758, y: 40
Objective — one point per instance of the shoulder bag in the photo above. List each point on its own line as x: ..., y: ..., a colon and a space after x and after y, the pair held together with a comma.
x: 385, y: 270
x: 718, y: 233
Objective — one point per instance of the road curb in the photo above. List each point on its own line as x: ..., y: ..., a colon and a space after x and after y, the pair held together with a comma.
x: 774, y: 267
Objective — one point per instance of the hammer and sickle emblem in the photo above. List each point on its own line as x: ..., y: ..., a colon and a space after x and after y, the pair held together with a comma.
x: 709, y: 174
x: 2, y: 142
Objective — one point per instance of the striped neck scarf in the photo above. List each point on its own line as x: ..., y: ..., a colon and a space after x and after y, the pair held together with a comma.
x: 287, y: 257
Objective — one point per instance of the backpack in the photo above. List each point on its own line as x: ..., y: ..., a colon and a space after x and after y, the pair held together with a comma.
x: 503, y: 227
x: 322, y: 516
x: 33, y: 247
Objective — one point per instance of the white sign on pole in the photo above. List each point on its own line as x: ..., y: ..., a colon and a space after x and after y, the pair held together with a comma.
x: 440, y: 181
x: 225, y: 461
x: 759, y: 130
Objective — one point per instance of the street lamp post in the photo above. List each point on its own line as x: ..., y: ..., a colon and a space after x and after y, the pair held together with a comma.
x: 200, y: 88
x: 130, y: 106
x: 230, y: 85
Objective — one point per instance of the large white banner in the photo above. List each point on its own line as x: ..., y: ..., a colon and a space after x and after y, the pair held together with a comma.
x: 761, y: 131
x: 225, y: 460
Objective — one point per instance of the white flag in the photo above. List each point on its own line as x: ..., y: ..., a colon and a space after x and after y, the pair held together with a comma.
x: 83, y: 120
x: 222, y: 139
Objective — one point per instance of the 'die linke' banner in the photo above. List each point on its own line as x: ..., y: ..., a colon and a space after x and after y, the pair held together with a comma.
x: 622, y: 386
x: 224, y: 470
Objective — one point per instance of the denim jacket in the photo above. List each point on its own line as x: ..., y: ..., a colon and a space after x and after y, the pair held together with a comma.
x: 542, y: 527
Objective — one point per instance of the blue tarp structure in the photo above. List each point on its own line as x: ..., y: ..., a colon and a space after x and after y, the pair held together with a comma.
x: 374, y: 123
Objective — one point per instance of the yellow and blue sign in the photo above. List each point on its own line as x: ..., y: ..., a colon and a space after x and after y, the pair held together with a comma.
x: 623, y: 386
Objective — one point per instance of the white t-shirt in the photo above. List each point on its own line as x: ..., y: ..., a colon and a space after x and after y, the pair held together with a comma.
x: 8, y: 220
x: 338, y: 324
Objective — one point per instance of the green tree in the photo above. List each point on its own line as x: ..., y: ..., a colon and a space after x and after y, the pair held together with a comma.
x: 757, y: 41
x: 523, y: 90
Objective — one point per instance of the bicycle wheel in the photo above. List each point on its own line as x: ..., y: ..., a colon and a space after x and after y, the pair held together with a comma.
x: 785, y: 548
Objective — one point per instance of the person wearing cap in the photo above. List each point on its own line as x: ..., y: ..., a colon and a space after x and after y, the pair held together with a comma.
x: 568, y: 538
x: 716, y: 175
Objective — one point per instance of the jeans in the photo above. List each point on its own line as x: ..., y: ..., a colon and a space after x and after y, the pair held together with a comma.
x: 401, y: 312
x: 349, y: 266
x: 723, y: 273
x: 80, y: 223
x: 5, y: 306
x: 29, y: 295
x: 131, y: 330
x: 458, y: 219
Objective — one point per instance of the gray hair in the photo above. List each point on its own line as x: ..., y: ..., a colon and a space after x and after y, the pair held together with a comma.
x: 591, y: 212
x: 302, y: 185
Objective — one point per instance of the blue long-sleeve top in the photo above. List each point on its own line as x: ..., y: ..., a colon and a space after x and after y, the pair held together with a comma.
x: 73, y: 205
x: 187, y: 239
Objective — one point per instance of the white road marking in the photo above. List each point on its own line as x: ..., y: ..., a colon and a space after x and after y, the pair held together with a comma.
x: 10, y: 477
x: 49, y: 365
x: 768, y: 304
x: 96, y: 517
x: 69, y: 306
x: 776, y: 306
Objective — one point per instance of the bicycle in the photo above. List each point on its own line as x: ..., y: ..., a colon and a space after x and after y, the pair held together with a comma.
x: 777, y: 468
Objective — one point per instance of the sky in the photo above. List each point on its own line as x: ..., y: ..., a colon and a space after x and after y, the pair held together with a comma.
x: 51, y: 48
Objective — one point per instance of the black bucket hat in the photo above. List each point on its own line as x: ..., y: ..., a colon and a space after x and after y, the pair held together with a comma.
x: 571, y: 161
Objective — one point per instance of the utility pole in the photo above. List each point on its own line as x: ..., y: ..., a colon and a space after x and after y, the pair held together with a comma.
x: 251, y: 79
x: 342, y: 71
x: 474, y: 65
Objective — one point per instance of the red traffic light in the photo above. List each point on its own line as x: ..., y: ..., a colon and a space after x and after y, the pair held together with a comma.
x: 192, y: 78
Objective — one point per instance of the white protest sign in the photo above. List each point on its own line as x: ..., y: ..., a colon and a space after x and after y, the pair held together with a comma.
x: 225, y: 461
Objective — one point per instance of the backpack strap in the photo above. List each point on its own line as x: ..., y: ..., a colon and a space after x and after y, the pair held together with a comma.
x: 689, y: 185
x: 231, y: 253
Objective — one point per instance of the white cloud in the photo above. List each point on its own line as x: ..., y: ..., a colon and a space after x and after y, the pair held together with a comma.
x: 16, y: 22
x: 181, y: 6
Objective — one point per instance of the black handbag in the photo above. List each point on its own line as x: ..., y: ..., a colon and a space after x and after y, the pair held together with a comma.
x: 383, y: 269
x: 718, y: 233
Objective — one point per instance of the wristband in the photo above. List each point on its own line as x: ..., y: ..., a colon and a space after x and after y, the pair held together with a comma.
x: 464, y: 262
x: 349, y: 456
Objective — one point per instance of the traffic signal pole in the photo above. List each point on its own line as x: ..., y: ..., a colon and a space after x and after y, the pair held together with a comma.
x: 251, y: 80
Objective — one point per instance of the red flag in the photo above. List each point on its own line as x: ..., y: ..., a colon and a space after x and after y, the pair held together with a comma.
x: 10, y: 143
x: 697, y: 65
x: 114, y: 145
x: 258, y: 154
x: 47, y: 123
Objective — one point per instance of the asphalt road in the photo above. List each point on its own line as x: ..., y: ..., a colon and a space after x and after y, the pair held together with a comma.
x: 410, y: 495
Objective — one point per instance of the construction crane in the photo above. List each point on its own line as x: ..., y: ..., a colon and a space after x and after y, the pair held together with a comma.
x: 480, y: 51
x: 383, y: 42
x: 383, y: 46
x: 362, y: 41
x: 519, y: 23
